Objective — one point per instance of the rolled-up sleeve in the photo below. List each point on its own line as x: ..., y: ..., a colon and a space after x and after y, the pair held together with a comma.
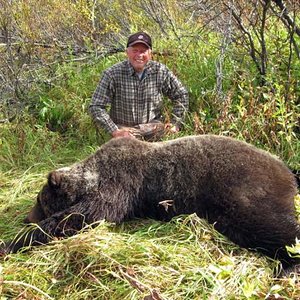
x: 101, y: 99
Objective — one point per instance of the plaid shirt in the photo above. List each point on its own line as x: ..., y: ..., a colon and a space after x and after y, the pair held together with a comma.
x: 136, y: 101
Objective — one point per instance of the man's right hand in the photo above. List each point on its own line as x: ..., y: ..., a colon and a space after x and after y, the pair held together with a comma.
x: 122, y: 133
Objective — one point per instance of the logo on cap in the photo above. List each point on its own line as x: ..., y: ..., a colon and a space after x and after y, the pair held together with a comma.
x: 140, y: 37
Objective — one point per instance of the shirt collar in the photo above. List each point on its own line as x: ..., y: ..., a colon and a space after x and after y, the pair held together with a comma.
x: 148, y: 67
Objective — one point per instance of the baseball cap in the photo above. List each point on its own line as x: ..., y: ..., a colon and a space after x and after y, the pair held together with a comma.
x: 139, y: 38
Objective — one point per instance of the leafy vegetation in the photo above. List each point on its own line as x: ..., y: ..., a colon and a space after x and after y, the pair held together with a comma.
x: 50, y: 76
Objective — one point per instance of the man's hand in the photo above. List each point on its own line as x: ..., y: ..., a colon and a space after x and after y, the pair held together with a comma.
x: 122, y: 133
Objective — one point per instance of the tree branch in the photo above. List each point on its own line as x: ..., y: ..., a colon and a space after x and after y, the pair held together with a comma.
x: 252, y: 50
x: 285, y: 15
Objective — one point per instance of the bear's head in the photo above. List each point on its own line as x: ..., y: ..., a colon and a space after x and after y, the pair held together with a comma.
x: 60, y: 192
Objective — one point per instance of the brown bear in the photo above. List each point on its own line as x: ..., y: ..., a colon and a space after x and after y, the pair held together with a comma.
x: 247, y: 193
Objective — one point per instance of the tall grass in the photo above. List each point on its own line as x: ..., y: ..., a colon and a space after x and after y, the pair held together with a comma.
x: 183, y: 259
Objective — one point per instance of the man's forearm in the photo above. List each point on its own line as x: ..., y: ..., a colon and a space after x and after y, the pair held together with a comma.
x: 102, y: 118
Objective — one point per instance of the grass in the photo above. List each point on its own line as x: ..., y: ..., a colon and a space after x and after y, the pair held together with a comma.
x: 183, y: 259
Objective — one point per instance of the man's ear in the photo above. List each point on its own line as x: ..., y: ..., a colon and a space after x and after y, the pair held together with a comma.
x: 55, y: 178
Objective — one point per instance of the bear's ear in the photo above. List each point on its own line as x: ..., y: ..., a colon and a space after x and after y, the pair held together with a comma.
x: 54, y: 179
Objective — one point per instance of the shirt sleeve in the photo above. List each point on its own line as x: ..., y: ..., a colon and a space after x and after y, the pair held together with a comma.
x: 102, y: 97
x: 178, y: 94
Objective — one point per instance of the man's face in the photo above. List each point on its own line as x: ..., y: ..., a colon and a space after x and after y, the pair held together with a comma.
x: 138, y: 55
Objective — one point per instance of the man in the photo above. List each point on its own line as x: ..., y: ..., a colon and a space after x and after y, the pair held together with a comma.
x: 134, y: 89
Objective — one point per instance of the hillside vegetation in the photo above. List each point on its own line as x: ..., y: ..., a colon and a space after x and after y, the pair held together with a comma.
x: 241, y: 66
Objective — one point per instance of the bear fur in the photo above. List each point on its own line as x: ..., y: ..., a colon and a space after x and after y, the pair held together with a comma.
x: 247, y: 193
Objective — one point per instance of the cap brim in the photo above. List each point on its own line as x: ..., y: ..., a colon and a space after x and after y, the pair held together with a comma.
x: 139, y: 42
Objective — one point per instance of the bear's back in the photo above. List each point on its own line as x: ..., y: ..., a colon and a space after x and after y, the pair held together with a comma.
x: 232, y: 166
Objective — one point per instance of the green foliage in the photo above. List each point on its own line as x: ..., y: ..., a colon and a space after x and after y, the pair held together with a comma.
x: 27, y: 144
x: 56, y: 116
